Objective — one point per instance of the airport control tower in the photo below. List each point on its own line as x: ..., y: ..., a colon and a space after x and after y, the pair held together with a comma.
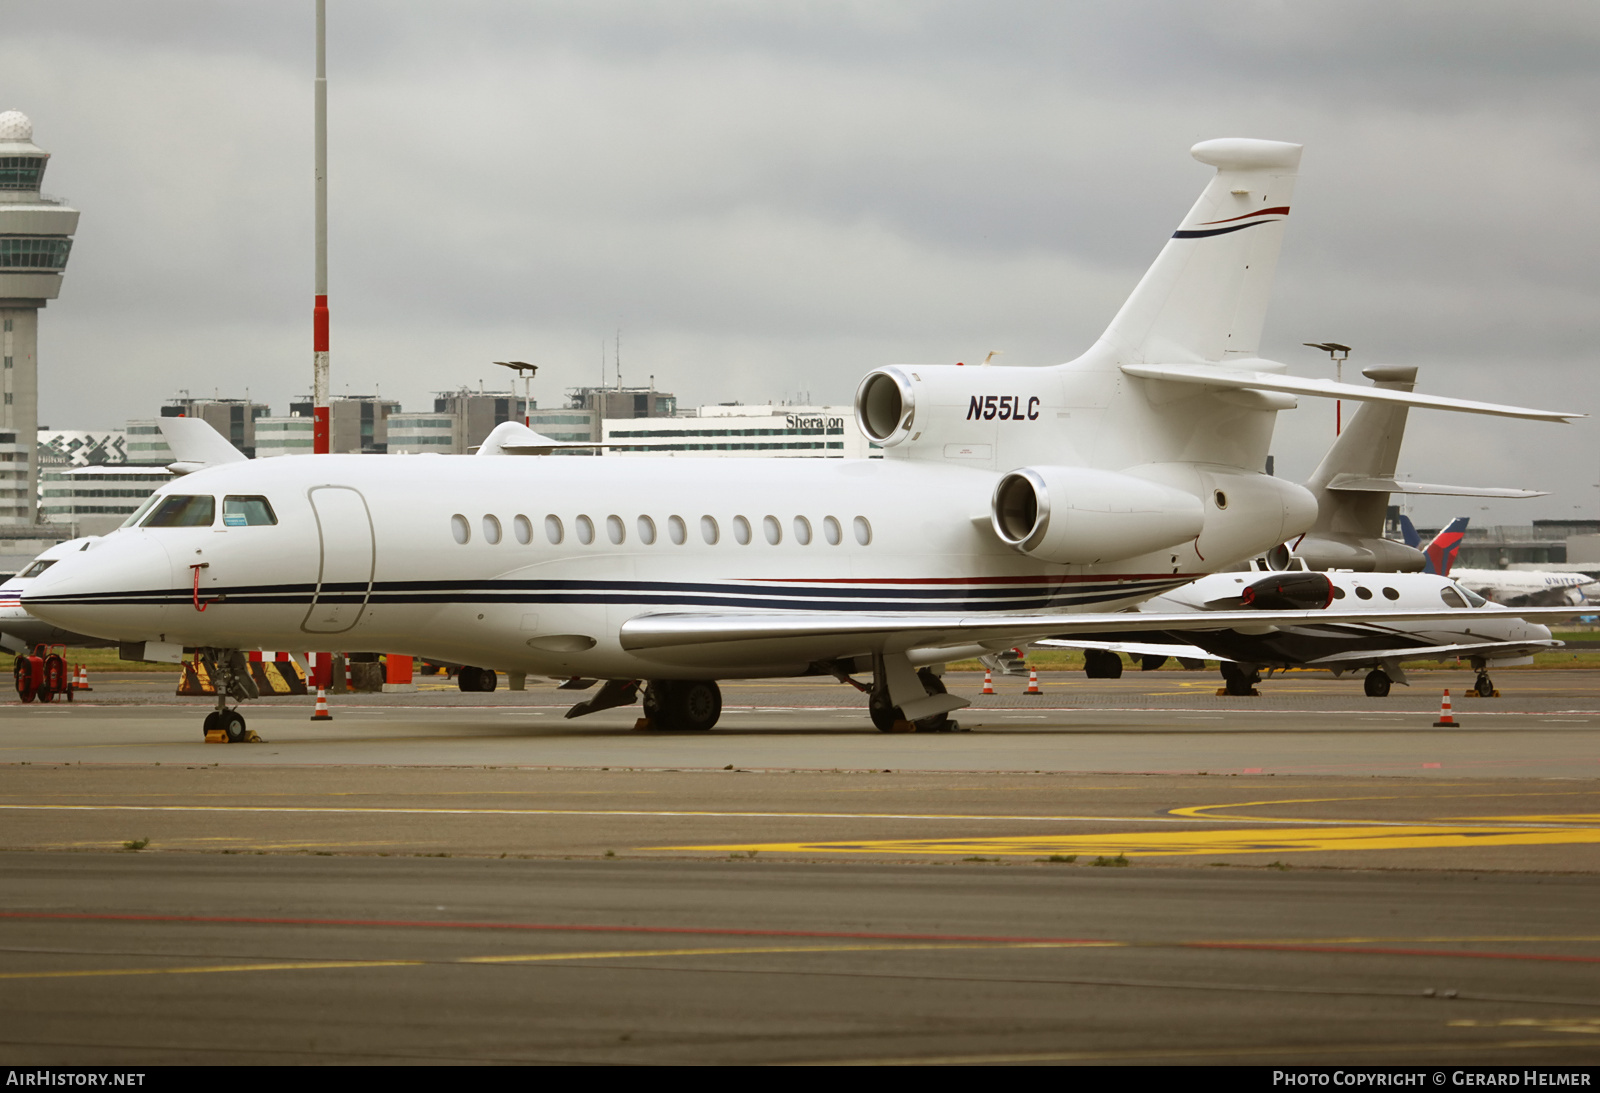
x: 35, y: 239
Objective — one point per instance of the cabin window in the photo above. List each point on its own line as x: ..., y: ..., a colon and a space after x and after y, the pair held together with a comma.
x: 460, y: 528
x: 802, y: 531
x: 708, y: 530
x: 863, y: 531
x: 741, y: 530
x: 1221, y: 499
x: 773, y: 530
x: 522, y: 528
x: 831, y: 531
x: 614, y: 530
x: 1390, y: 594
x: 251, y: 512
x: 585, y: 530
x: 37, y: 568
x: 491, y: 530
x: 1363, y: 593
x: 1451, y: 597
x: 183, y: 510
x: 647, y: 530
x: 676, y: 530
x: 552, y: 529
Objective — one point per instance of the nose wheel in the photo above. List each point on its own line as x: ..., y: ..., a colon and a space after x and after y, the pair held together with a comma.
x: 1485, y: 686
x: 230, y: 675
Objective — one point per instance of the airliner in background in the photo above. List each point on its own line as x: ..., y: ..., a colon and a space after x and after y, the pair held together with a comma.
x: 1011, y: 503
x: 1512, y: 587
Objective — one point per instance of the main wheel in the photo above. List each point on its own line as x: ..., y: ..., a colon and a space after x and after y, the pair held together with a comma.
x: 885, y: 714
x: 696, y: 704
x: 1151, y: 663
x: 232, y: 724
x: 1376, y: 684
x: 467, y: 678
x: 1102, y: 664
x: 1237, y: 681
x: 487, y: 679
x: 657, y: 702
x: 211, y: 722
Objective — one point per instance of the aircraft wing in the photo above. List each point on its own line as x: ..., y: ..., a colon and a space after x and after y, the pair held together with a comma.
x: 1210, y: 375
x: 1132, y: 648
x: 821, y: 635
x: 1367, y: 484
x: 1438, y: 652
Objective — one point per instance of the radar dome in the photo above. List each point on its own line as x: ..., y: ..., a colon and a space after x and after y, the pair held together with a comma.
x: 14, y: 125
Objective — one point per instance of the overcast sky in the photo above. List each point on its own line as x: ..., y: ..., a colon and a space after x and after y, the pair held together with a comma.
x: 770, y: 199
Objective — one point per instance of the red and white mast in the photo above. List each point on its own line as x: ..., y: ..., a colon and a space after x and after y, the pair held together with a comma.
x: 319, y: 312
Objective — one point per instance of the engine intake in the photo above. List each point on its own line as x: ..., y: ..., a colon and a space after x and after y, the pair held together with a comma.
x: 1077, y: 515
x: 886, y: 406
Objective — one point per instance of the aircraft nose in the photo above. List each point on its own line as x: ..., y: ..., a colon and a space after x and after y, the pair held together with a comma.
x: 119, y: 589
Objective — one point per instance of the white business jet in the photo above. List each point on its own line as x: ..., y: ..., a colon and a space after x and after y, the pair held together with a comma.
x: 1483, y: 634
x: 1011, y: 503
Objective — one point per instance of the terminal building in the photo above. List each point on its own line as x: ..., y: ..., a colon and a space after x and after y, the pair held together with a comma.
x: 35, y: 239
x: 825, y: 432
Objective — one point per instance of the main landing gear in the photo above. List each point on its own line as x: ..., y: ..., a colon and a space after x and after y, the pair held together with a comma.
x: 887, y: 717
x: 1240, y: 680
x: 682, y: 705
x: 1377, y: 684
x: 476, y: 679
x: 1102, y: 664
x: 230, y: 675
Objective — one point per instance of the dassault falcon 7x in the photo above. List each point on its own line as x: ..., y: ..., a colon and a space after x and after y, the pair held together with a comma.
x: 1011, y: 503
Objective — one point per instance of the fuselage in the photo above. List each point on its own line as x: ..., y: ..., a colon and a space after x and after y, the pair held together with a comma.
x: 531, y: 564
x: 20, y: 630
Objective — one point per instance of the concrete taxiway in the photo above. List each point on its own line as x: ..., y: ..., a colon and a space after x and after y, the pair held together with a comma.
x: 1130, y: 870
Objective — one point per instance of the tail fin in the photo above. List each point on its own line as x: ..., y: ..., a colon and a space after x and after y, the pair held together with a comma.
x: 1369, y: 446
x: 1446, y: 545
x: 1205, y: 298
x: 1408, y: 533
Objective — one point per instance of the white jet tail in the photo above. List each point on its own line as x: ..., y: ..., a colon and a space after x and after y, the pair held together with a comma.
x: 1205, y: 298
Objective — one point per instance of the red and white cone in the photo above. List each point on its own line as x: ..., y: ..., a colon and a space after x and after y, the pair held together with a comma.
x: 988, y: 682
x: 322, y: 713
x: 1445, y: 720
x: 82, y: 682
x: 1033, y: 682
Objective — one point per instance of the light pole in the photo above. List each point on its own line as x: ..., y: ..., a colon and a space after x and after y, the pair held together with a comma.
x: 320, y: 431
x: 525, y: 373
x: 1338, y: 354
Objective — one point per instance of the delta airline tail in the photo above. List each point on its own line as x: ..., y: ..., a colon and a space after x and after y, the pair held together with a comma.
x: 1441, y: 552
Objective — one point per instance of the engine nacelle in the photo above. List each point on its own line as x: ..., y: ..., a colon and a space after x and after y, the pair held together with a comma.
x: 1297, y: 591
x: 886, y: 406
x: 1079, y: 516
x: 1360, y: 553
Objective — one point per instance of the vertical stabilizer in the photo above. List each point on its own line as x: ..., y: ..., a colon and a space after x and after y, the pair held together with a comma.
x: 1205, y: 298
x: 1369, y: 446
x: 1442, y: 551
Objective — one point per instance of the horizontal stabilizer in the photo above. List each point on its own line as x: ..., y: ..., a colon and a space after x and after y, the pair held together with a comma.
x: 196, y: 445
x: 1367, y: 484
x: 1244, y: 379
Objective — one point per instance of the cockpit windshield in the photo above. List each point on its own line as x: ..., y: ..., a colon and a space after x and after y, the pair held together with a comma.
x: 1472, y: 597
x: 182, y: 510
x: 1451, y: 595
x: 37, y: 568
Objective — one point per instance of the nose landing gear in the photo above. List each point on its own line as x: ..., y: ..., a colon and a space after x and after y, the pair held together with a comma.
x: 230, y: 675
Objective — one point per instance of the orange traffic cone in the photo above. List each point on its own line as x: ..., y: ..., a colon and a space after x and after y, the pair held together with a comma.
x: 82, y: 682
x: 1445, y: 720
x: 988, y: 682
x: 1033, y: 682
x: 322, y: 713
